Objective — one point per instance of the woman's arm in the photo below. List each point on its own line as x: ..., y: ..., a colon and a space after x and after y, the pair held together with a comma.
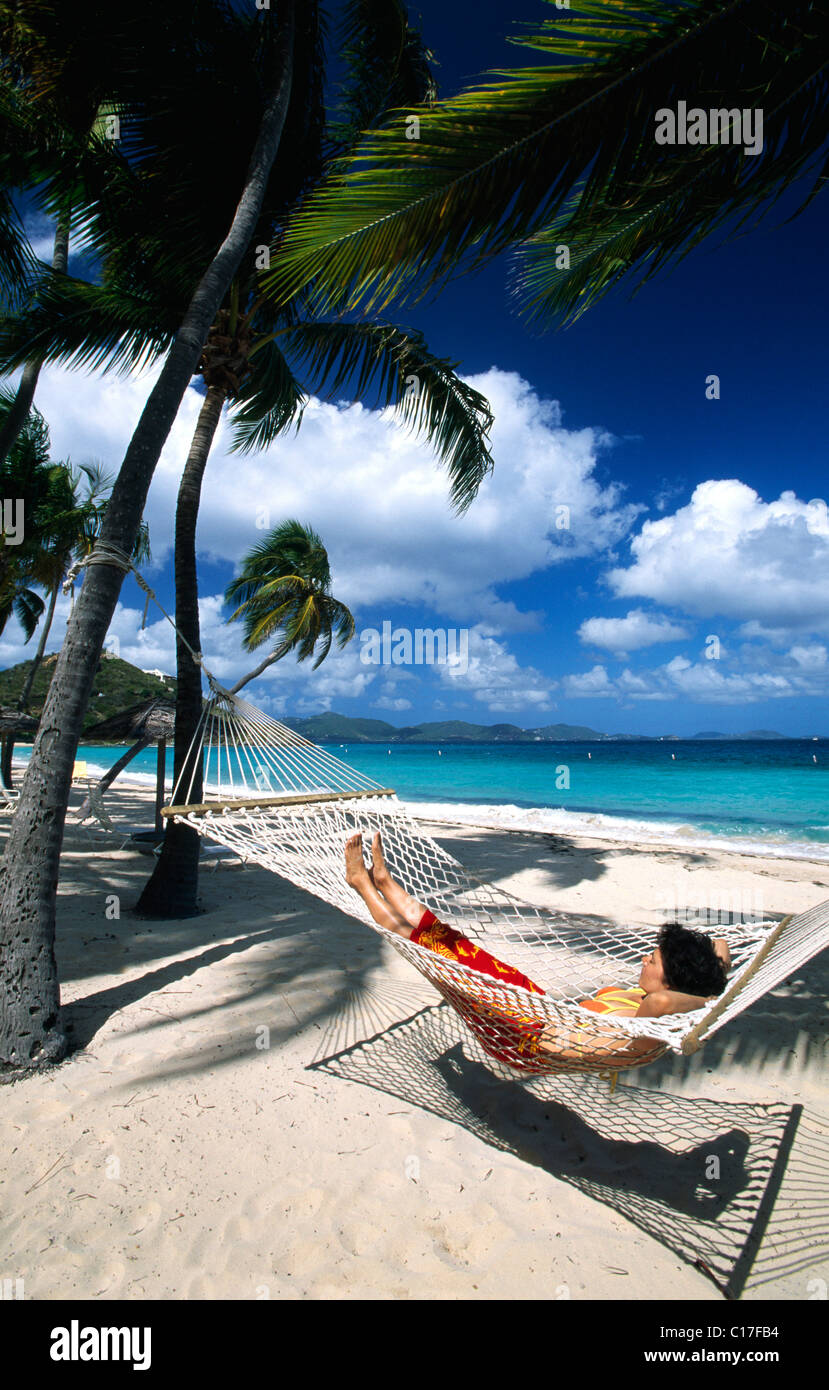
x: 583, y: 1045
x: 579, y: 1045
x: 668, y: 1001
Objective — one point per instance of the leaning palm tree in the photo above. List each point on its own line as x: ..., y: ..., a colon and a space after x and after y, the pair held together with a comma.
x: 68, y: 532
x: 284, y: 599
x: 53, y: 520
x: 31, y: 1034
x: 63, y: 511
x: 254, y: 359
x: 562, y: 157
x: 63, y: 523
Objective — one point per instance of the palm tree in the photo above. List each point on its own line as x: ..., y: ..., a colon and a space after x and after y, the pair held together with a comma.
x: 252, y: 358
x: 63, y: 510
x: 284, y: 596
x: 56, y: 90
x: 565, y: 153
x: 23, y: 475
x: 31, y: 1034
x: 44, y: 494
x: 54, y: 521
x: 501, y: 165
x: 63, y: 524
x: 70, y: 534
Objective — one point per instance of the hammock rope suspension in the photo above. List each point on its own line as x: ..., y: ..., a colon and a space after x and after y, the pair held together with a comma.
x: 280, y: 801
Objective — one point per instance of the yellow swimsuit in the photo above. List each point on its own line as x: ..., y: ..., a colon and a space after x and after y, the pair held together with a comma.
x: 614, y: 999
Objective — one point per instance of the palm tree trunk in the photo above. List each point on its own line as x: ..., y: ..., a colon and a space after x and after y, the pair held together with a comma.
x: 109, y: 777
x: 172, y: 890
x: 263, y: 666
x: 22, y: 404
x: 31, y: 1033
x: 6, y: 754
x: 26, y: 692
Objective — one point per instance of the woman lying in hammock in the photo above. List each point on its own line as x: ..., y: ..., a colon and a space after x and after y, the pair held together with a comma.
x: 683, y: 972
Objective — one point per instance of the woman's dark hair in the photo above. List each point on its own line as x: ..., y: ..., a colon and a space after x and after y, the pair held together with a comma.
x: 689, y: 962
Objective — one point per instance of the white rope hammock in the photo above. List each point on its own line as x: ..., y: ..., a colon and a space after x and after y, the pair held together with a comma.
x: 278, y: 800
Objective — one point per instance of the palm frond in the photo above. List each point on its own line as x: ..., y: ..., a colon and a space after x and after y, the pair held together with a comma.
x: 84, y: 325
x: 28, y: 609
x: 17, y: 262
x: 398, y: 367
x: 270, y: 402
x: 31, y: 448
x: 387, y: 66
x: 498, y: 163
x: 660, y: 222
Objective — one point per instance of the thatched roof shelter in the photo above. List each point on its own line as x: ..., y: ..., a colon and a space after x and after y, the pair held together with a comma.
x: 150, y: 719
x: 13, y: 722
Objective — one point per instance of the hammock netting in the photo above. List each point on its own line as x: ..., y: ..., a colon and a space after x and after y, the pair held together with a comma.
x: 280, y: 801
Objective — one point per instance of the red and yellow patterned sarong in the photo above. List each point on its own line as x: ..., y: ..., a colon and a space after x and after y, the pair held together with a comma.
x: 446, y: 942
x: 506, y: 1031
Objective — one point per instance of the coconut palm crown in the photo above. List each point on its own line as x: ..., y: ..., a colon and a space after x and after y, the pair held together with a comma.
x: 283, y: 593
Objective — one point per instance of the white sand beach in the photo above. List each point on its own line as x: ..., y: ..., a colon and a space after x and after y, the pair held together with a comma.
x: 360, y: 1154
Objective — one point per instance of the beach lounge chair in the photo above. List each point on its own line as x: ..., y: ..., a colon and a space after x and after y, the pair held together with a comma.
x: 98, y: 818
x: 8, y: 797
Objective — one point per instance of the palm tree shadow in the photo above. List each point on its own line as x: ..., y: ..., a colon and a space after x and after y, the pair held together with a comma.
x: 701, y: 1177
x: 283, y: 962
x: 85, y: 1017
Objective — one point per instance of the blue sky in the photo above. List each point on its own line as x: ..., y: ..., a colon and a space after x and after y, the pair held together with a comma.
x: 690, y: 590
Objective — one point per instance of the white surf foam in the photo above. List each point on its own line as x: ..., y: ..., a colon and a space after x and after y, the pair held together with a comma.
x: 597, y: 826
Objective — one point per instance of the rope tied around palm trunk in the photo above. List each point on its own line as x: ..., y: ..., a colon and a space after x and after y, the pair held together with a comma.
x: 105, y: 554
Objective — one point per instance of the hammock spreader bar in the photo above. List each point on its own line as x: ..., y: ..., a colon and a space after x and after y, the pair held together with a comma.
x: 251, y: 803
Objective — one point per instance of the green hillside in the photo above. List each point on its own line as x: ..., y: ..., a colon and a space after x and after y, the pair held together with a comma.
x: 340, y: 727
x: 457, y: 730
x: 117, y: 686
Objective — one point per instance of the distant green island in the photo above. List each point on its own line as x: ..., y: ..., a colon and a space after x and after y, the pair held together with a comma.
x: 341, y: 728
x: 119, y: 685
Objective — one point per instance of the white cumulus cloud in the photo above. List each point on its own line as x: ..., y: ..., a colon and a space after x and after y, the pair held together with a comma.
x: 730, y: 554
x: 374, y: 492
x: 493, y: 676
x: 631, y: 633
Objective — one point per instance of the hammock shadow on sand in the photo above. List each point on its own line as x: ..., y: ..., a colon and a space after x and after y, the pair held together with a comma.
x: 572, y: 1129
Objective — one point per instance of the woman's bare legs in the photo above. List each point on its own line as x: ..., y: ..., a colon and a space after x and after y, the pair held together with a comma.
x: 402, y: 902
x: 357, y: 875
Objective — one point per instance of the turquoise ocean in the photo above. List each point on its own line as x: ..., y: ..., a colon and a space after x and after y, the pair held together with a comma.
x: 765, y: 796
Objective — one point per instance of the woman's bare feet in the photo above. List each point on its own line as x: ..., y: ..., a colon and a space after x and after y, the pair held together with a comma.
x: 358, y: 877
x: 378, y: 873
x: 356, y: 872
